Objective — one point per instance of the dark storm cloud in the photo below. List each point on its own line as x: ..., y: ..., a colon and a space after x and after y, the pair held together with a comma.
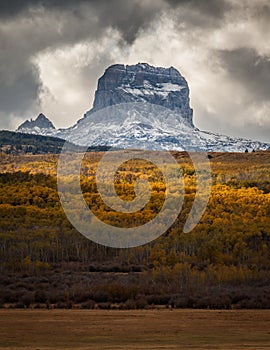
x: 15, y: 7
x: 25, y: 90
x: 127, y: 16
x: 29, y: 27
x: 250, y: 69
x: 10, y: 8
x: 211, y: 8
x: 198, y: 14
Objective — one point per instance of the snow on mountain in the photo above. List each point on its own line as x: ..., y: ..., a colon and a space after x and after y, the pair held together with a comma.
x: 141, y: 106
x: 162, y: 90
x: 40, y: 126
x: 135, y: 125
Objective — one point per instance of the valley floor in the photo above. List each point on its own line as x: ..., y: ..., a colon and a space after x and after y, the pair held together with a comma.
x: 146, y: 329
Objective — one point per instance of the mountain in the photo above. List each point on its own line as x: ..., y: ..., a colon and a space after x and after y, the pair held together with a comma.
x: 141, y: 106
x: 143, y: 83
x: 40, y: 126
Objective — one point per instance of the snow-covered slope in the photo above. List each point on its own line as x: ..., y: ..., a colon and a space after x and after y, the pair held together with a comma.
x: 149, y: 126
x: 147, y: 107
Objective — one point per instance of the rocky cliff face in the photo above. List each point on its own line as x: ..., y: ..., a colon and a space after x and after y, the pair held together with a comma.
x: 141, y: 82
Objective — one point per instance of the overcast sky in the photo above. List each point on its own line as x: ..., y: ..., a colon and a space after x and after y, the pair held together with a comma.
x: 53, y: 51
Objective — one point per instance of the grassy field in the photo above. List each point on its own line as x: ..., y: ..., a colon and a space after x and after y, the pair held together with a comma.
x: 149, y: 329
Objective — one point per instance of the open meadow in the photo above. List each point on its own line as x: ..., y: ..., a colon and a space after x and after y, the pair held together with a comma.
x: 140, y: 329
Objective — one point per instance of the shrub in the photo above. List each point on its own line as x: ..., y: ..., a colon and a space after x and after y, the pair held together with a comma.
x: 40, y: 296
x: 104, y: 306
x: 141, y: 303
x: 28, y: 299
x: 129, y: 305
x: 90, y: 304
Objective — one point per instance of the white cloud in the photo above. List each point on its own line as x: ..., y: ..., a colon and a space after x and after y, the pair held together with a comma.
x: 69, y: 77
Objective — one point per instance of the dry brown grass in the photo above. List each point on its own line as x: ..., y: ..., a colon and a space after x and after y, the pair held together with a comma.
x: 149, y: 329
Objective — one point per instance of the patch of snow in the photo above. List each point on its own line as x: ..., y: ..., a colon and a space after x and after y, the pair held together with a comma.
x: 171, y: 87
x: 147, y: 89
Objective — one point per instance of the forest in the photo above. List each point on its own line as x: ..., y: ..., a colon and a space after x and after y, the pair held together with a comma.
x: 17, y: 143
x: 223, y: 263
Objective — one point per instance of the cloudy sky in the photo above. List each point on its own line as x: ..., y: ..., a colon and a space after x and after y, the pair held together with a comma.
x: 52, y: 53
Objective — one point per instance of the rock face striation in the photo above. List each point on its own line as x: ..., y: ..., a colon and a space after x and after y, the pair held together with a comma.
x: 141, y: 106
x: 141, y: 82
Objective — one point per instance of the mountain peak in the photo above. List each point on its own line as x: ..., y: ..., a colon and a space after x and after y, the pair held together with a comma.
x: 142, y: 82
x: 42, y: 118
x: 39, y: 124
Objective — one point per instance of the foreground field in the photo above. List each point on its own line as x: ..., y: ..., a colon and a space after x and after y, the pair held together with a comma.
x: 152, y: 329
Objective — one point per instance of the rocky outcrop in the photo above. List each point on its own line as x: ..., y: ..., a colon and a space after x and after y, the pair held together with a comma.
x: 40, y: 126
x: 141, y: 82
x: 40, y: 122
